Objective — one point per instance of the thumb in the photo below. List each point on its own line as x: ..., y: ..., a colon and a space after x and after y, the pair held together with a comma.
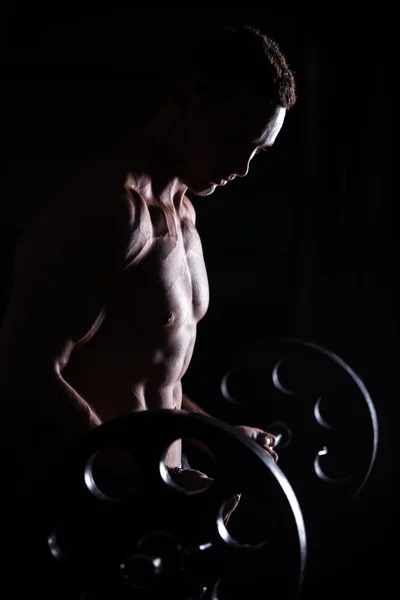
x: 192, y: 480
x: 230, y: 506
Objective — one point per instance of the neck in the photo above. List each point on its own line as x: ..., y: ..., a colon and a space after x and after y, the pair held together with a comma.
x: 151, y: 160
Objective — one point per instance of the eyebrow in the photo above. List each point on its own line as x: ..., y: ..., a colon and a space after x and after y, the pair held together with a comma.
x: 245, y: 139
x: 260, y: 143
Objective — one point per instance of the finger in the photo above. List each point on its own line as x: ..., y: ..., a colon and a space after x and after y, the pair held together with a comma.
x: 272, y: 454
x: 270, y: 440
x: 230, y: 507
x: 267, y: 440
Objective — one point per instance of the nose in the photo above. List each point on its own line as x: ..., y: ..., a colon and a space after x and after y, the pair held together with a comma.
x: 242, y: 168
x: 242, y: 172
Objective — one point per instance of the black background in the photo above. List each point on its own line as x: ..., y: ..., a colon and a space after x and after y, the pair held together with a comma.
x: 306, y: 245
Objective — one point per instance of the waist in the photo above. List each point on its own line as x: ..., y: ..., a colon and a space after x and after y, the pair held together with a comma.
x: 112, y: 398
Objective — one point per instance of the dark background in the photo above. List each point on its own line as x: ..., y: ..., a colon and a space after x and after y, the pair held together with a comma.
x: 305, y: 246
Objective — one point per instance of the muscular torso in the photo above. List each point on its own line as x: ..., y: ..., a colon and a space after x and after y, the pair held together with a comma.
x: 135, y: 357
x: 109, y: 288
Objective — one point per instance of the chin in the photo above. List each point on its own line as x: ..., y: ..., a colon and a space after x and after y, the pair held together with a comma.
x: 202, y: 190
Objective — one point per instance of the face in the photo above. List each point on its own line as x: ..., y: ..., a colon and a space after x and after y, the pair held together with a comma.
x: 222, y: 138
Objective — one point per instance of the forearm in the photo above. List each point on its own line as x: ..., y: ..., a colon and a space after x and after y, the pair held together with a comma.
x: 189, y: 405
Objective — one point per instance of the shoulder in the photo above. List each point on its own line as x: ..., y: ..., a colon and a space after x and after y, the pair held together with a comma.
x: 84, y: 227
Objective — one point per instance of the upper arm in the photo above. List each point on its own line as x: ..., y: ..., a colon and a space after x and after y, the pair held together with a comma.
x: 66, y: 267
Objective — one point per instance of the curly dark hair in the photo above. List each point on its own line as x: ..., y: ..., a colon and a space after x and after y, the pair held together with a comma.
x: 243, y: 55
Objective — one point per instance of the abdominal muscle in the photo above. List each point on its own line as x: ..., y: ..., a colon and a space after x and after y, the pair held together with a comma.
x: 117, y: 382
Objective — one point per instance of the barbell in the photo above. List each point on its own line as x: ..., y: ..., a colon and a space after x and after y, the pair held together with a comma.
x: 316, y: 403
x: 150, y: 539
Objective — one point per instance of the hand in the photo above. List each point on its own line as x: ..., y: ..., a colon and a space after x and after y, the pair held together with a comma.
x: 266, y: 440
x: 193, y: 480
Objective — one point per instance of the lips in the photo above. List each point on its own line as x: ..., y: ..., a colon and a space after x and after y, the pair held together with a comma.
x: 220, y: 180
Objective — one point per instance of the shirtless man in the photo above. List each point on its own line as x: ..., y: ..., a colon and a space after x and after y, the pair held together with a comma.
x: 110, y: 281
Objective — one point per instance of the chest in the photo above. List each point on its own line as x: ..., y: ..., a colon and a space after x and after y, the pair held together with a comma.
x: 169, y: 286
